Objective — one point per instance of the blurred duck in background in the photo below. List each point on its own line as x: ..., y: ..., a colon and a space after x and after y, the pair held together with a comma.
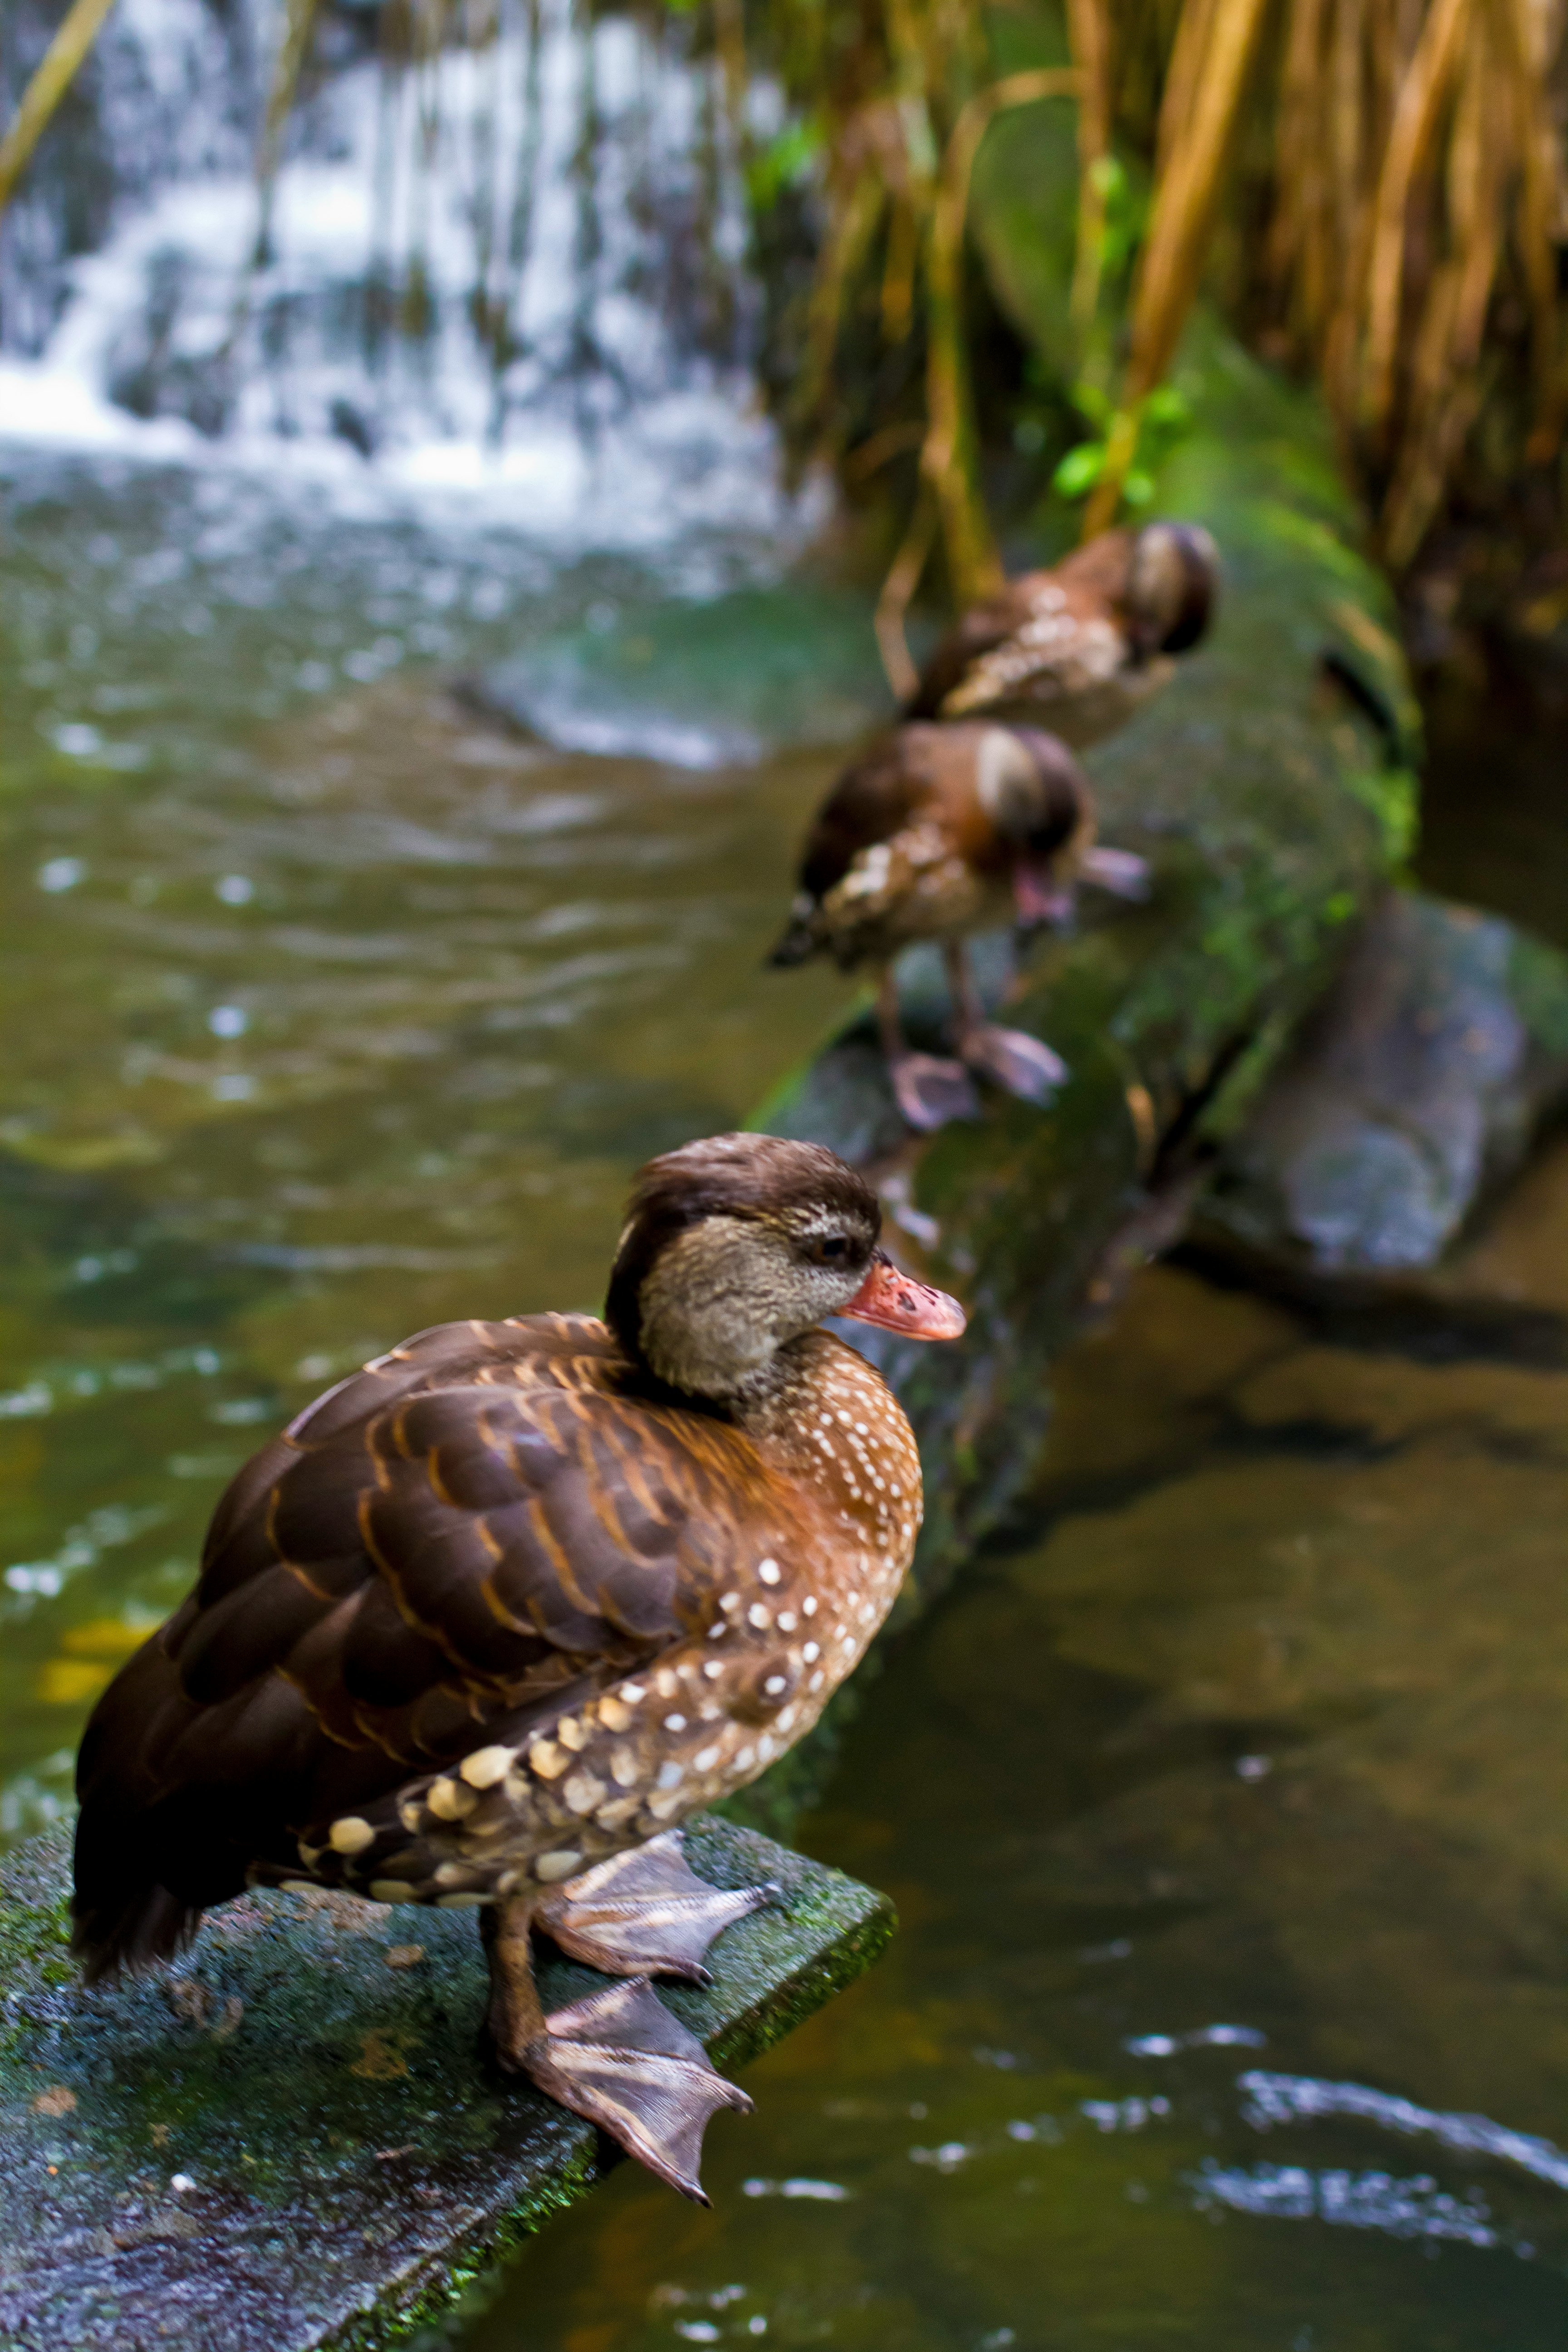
x: 1079, y: 648
x: 937, y: 833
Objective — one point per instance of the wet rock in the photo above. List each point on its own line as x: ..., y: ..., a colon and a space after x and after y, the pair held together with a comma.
x: 1415, y: 1088
x: 287, y: 2139
x: 697, y: 684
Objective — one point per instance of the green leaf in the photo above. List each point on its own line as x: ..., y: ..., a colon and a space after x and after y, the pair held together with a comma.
x: 1079, y: 469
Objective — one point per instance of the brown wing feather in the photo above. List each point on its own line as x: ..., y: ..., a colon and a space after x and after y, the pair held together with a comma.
x: 455, y: 1540
x: 871, y: 801
x: 981, y: 629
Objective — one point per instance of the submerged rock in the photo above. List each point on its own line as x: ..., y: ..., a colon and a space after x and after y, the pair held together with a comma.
x: 1412, y: 1090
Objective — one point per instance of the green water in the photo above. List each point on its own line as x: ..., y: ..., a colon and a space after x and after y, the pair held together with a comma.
x: 1224, y: 1803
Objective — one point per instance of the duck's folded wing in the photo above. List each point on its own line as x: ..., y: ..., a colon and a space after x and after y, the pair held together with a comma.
x: 463, y: 1536
x: 982, y: 629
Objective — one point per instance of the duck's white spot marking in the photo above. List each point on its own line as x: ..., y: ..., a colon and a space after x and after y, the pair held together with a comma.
x: 745, y: 1760
x: 451, y: 1873
x: 582, y: 1792
x: 808, y: 1606
x: 460, y: 1902
x: 787, y: 1717
x: 487, y: 1766
x: 508, y: 1883
x: 571, y: 1734
x: 767, y: 1747
x: 351, y: 1835
x: 632, y: 1692
x: 675, y: 1723
x: 713, y: 1670
x: 547, y: 1760
x: 705, y: 1758
x: 624, y: 1767
x: 770, y: 1571
x: 787, y: 1620
x: 389, y: 1890
x: 758, y: 1616
x: 817, y: 1681
x: 308, y: 1886
x: 811, y: 1654
x: 552, y: 1866
x: 665, y: 1683
x: 730, y: 1601
x: 449, y: 1801
x: 671, y: 1775
x: 613, y: 1715
x: 775, y: 1684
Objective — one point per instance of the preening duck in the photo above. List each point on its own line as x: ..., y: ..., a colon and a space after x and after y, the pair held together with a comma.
x: 938, y: 832
x: 494, y: 1614
x: 1079, y: 648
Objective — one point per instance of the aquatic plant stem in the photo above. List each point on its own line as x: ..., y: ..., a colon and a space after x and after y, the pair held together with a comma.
x: 56, y: 71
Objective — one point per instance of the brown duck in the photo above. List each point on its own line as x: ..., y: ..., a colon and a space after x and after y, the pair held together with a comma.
x: 1079, y: 648
x: 938, y: 832
x: 494, y: 1614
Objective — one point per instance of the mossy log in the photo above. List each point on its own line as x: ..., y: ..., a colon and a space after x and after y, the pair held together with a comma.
x: 287, y: 2139
x: 1271, y: 790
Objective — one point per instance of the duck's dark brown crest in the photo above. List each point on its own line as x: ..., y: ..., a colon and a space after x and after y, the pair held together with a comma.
x: 725, y: 1176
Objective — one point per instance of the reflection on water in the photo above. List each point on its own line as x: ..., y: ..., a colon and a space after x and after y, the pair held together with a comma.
x: 1224, y: 1805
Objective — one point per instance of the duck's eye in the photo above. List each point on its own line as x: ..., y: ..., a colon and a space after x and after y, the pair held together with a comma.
x: 834, y: 1248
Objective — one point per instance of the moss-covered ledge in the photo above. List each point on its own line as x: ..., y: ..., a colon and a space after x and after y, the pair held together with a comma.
x: 1272, y: 802
x: 287, y: 2140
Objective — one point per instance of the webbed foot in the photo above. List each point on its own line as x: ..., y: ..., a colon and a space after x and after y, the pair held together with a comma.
x: 622, y: 2061
x: 1014, y: 1061
x: 930, y: 1092
x: 644, y: 1913
x: 1120, y: 871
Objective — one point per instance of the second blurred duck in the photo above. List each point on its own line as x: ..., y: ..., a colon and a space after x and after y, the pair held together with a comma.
x: 1078, y: 649
x: 938, y: 832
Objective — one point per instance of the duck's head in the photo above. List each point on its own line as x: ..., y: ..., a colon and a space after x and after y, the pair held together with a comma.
x: 735, y: 1247
x: 1173, y: 586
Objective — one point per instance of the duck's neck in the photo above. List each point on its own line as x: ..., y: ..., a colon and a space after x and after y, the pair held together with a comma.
x: 712, y: 1325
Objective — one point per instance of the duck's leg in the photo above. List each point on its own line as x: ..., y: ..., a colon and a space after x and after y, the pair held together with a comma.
x: 643, y: 1913
x: 618, y: 2058
x: 1010, y: 1058
x: 929, y: 1091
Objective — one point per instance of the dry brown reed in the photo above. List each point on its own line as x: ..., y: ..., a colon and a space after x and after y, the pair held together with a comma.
x: 56, y: 71
x: 1390, y: 174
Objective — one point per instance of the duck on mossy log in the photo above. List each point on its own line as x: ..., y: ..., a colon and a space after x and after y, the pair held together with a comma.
x: 494, y: 1614
x: 937, y: 833
x: 1083, y: 646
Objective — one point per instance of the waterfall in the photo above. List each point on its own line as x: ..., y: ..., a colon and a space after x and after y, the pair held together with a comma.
x: 501, y: 258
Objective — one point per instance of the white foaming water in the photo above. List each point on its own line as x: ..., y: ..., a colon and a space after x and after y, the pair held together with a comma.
x: 500, y: 281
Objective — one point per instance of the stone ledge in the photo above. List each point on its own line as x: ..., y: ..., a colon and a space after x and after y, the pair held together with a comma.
x: 309, y: 2069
